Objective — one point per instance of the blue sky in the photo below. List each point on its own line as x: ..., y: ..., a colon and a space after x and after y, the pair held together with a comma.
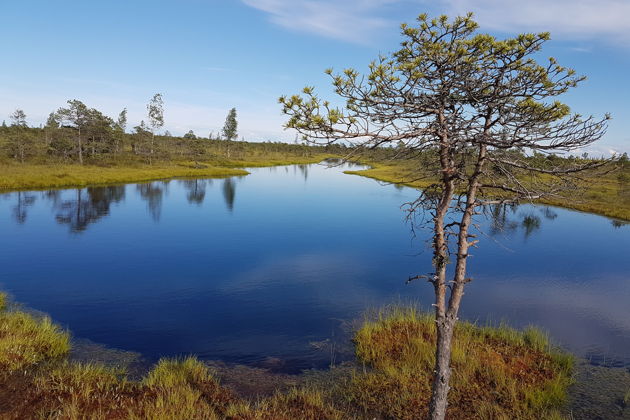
x: 206, y: 56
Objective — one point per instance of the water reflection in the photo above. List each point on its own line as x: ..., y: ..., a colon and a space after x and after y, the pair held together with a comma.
x: 530, y: 223
x: 305, y: 248
x: 20, y: 211
x: 153, y: 193
x: 229, y: 193
x: 82, y: 207
x: 303, y: 170
x: 196, y: 190
x: 499, y: 215
x: 87, y: 206
x: 52, y: 195
x: 506, y: 219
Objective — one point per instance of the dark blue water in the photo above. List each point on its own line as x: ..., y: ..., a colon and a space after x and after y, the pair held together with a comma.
x: 259, y: 267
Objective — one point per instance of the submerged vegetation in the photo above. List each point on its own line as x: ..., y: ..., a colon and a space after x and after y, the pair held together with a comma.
x: 499, y: 373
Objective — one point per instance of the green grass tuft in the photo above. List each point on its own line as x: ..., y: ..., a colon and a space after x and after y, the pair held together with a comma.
x: 170, y: 373
x: 26, y: 341
x: 298, y: 403
x: 498, y: 372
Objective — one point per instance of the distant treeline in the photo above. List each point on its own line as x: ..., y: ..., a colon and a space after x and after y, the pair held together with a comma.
x: 79, y: 134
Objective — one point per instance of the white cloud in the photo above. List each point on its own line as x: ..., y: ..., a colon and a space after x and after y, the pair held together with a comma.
x: 607, y: 20
x: 359, y: 20
x: 600, y: 150
x: 581, y: 49
x: 348, y: 20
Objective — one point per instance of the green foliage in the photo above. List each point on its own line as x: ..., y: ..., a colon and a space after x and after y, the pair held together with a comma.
x: 438, y: 57
x: 18, y: 119
x: 230, y: 129
x: 121, y: 123
x: 98, y: 140
x: 155, y: 109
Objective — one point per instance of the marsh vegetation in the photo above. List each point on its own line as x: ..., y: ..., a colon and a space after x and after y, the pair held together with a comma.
x: 501, y: 373
x: 471, y: 121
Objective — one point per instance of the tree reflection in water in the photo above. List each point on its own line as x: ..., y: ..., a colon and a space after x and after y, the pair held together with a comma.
x: 24, y: 201
x: 196, y: 189
x: 506, y: 218
x: 229, y: 192
x: 88, y: 206
x: 153, y: 194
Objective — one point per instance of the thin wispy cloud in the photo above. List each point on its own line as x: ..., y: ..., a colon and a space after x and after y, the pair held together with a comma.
x: 581, y: 49
x: 355, y: 21
x: 362, y: 20
x: 605, y: 20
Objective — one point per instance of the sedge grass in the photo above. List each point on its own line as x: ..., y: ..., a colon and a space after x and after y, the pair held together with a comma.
x: 26, y: 340
x: 498, y: 373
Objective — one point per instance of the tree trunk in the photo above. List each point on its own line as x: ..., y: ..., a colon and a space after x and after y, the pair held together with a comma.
x: 442, y: 372
x: 446, y: 319
x: 441, y: 379
x: 80, y: 149
x: 151, y: 152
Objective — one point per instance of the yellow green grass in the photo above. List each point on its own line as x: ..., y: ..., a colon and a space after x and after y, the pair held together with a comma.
x: 26, y: 340
x: 298, y: 403
x: 602, y: 195
x: 15, y: 176
x: 259, y: 161
x: 498, y: 373
x: 32, y: 177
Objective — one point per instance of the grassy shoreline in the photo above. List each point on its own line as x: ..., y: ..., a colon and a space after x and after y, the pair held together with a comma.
x: 499, y: 373
x: 28, y: 177
x: 599, y: 198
